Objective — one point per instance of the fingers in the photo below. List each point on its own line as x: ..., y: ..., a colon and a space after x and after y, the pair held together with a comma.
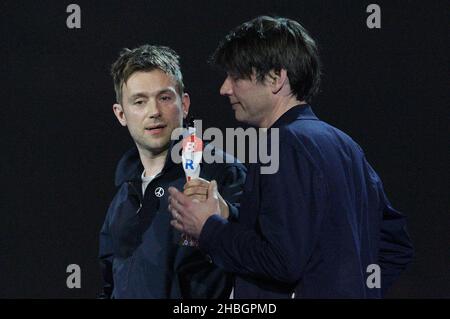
x: 177, y: 196
x: 198, y: 198
x: 196, y: 182
x: 196, y: 186
x: 177, y: 219
x: 173, y: 211
x: 178, y: 226
x: 212, y: 190
x: 196, y: 190
x: 175, y: 207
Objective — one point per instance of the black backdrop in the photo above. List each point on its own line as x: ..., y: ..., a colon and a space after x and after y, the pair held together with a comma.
x: 386, y: 87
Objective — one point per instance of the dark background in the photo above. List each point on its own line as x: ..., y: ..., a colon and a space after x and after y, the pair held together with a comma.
x: 387, y: 88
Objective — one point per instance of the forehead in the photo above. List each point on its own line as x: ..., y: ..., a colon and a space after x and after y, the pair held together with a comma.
x: 148, y: 81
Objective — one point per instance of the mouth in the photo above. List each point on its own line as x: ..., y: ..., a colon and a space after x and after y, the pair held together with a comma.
x: 234, y: 104
x: 155, y: 129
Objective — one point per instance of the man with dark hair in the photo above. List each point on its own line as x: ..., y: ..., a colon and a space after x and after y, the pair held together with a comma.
x: 321, y: 226
x: 140, y: 254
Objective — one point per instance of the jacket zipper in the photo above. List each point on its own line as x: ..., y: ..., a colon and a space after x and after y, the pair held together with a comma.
x: 139, y: 197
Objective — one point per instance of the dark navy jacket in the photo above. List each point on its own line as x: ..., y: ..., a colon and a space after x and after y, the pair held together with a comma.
x: 316, y: 225
x: 140, y: 255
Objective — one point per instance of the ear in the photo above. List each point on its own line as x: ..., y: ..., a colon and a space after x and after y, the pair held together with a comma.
x: 119, y: 113
x: 277, y: 79
x: 185, y: 103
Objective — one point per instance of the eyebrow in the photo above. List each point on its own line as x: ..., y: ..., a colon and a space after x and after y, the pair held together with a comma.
x: 143, y: 94
x: 135, y: 95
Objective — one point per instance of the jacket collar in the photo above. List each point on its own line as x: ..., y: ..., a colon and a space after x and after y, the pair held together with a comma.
x: 298, y: 112
x: 130, y: 168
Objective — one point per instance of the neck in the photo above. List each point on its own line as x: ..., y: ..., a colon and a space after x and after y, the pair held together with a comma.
x: 281, y: 106
x: 153, y: 163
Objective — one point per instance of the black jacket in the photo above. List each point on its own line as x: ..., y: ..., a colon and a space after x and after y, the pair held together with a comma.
x: 140, y: 254
x: 317, y: 226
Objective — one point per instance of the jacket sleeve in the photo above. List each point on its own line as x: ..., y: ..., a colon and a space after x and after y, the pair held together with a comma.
x: 106, y: 257
x: 288, y: 220
x: 395, y: 249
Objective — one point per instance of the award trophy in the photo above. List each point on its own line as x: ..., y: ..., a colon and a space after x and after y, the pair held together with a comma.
x: 191, y: 158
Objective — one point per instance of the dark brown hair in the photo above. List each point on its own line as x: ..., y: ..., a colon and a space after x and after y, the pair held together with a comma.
x: 272, y: 43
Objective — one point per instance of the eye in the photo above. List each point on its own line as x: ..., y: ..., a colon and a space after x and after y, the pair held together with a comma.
x: 234, y: 77
x: 165, y: 98
x: 139, y: 102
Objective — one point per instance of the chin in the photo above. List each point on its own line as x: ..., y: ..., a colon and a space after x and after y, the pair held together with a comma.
x: 157, y: 146
x: 157, y: 149
x: 239, y: 117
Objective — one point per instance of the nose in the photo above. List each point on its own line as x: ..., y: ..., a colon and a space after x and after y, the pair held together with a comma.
x: 153, y: 109
x: 226, y: 88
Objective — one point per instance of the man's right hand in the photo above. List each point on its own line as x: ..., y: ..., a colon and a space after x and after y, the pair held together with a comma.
x: 198, y: 189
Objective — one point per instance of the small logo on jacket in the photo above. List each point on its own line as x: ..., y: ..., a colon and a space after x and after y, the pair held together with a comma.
x: 159, y: 192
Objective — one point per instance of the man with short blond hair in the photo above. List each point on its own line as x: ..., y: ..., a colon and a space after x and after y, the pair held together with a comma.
x: 140, y: 254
